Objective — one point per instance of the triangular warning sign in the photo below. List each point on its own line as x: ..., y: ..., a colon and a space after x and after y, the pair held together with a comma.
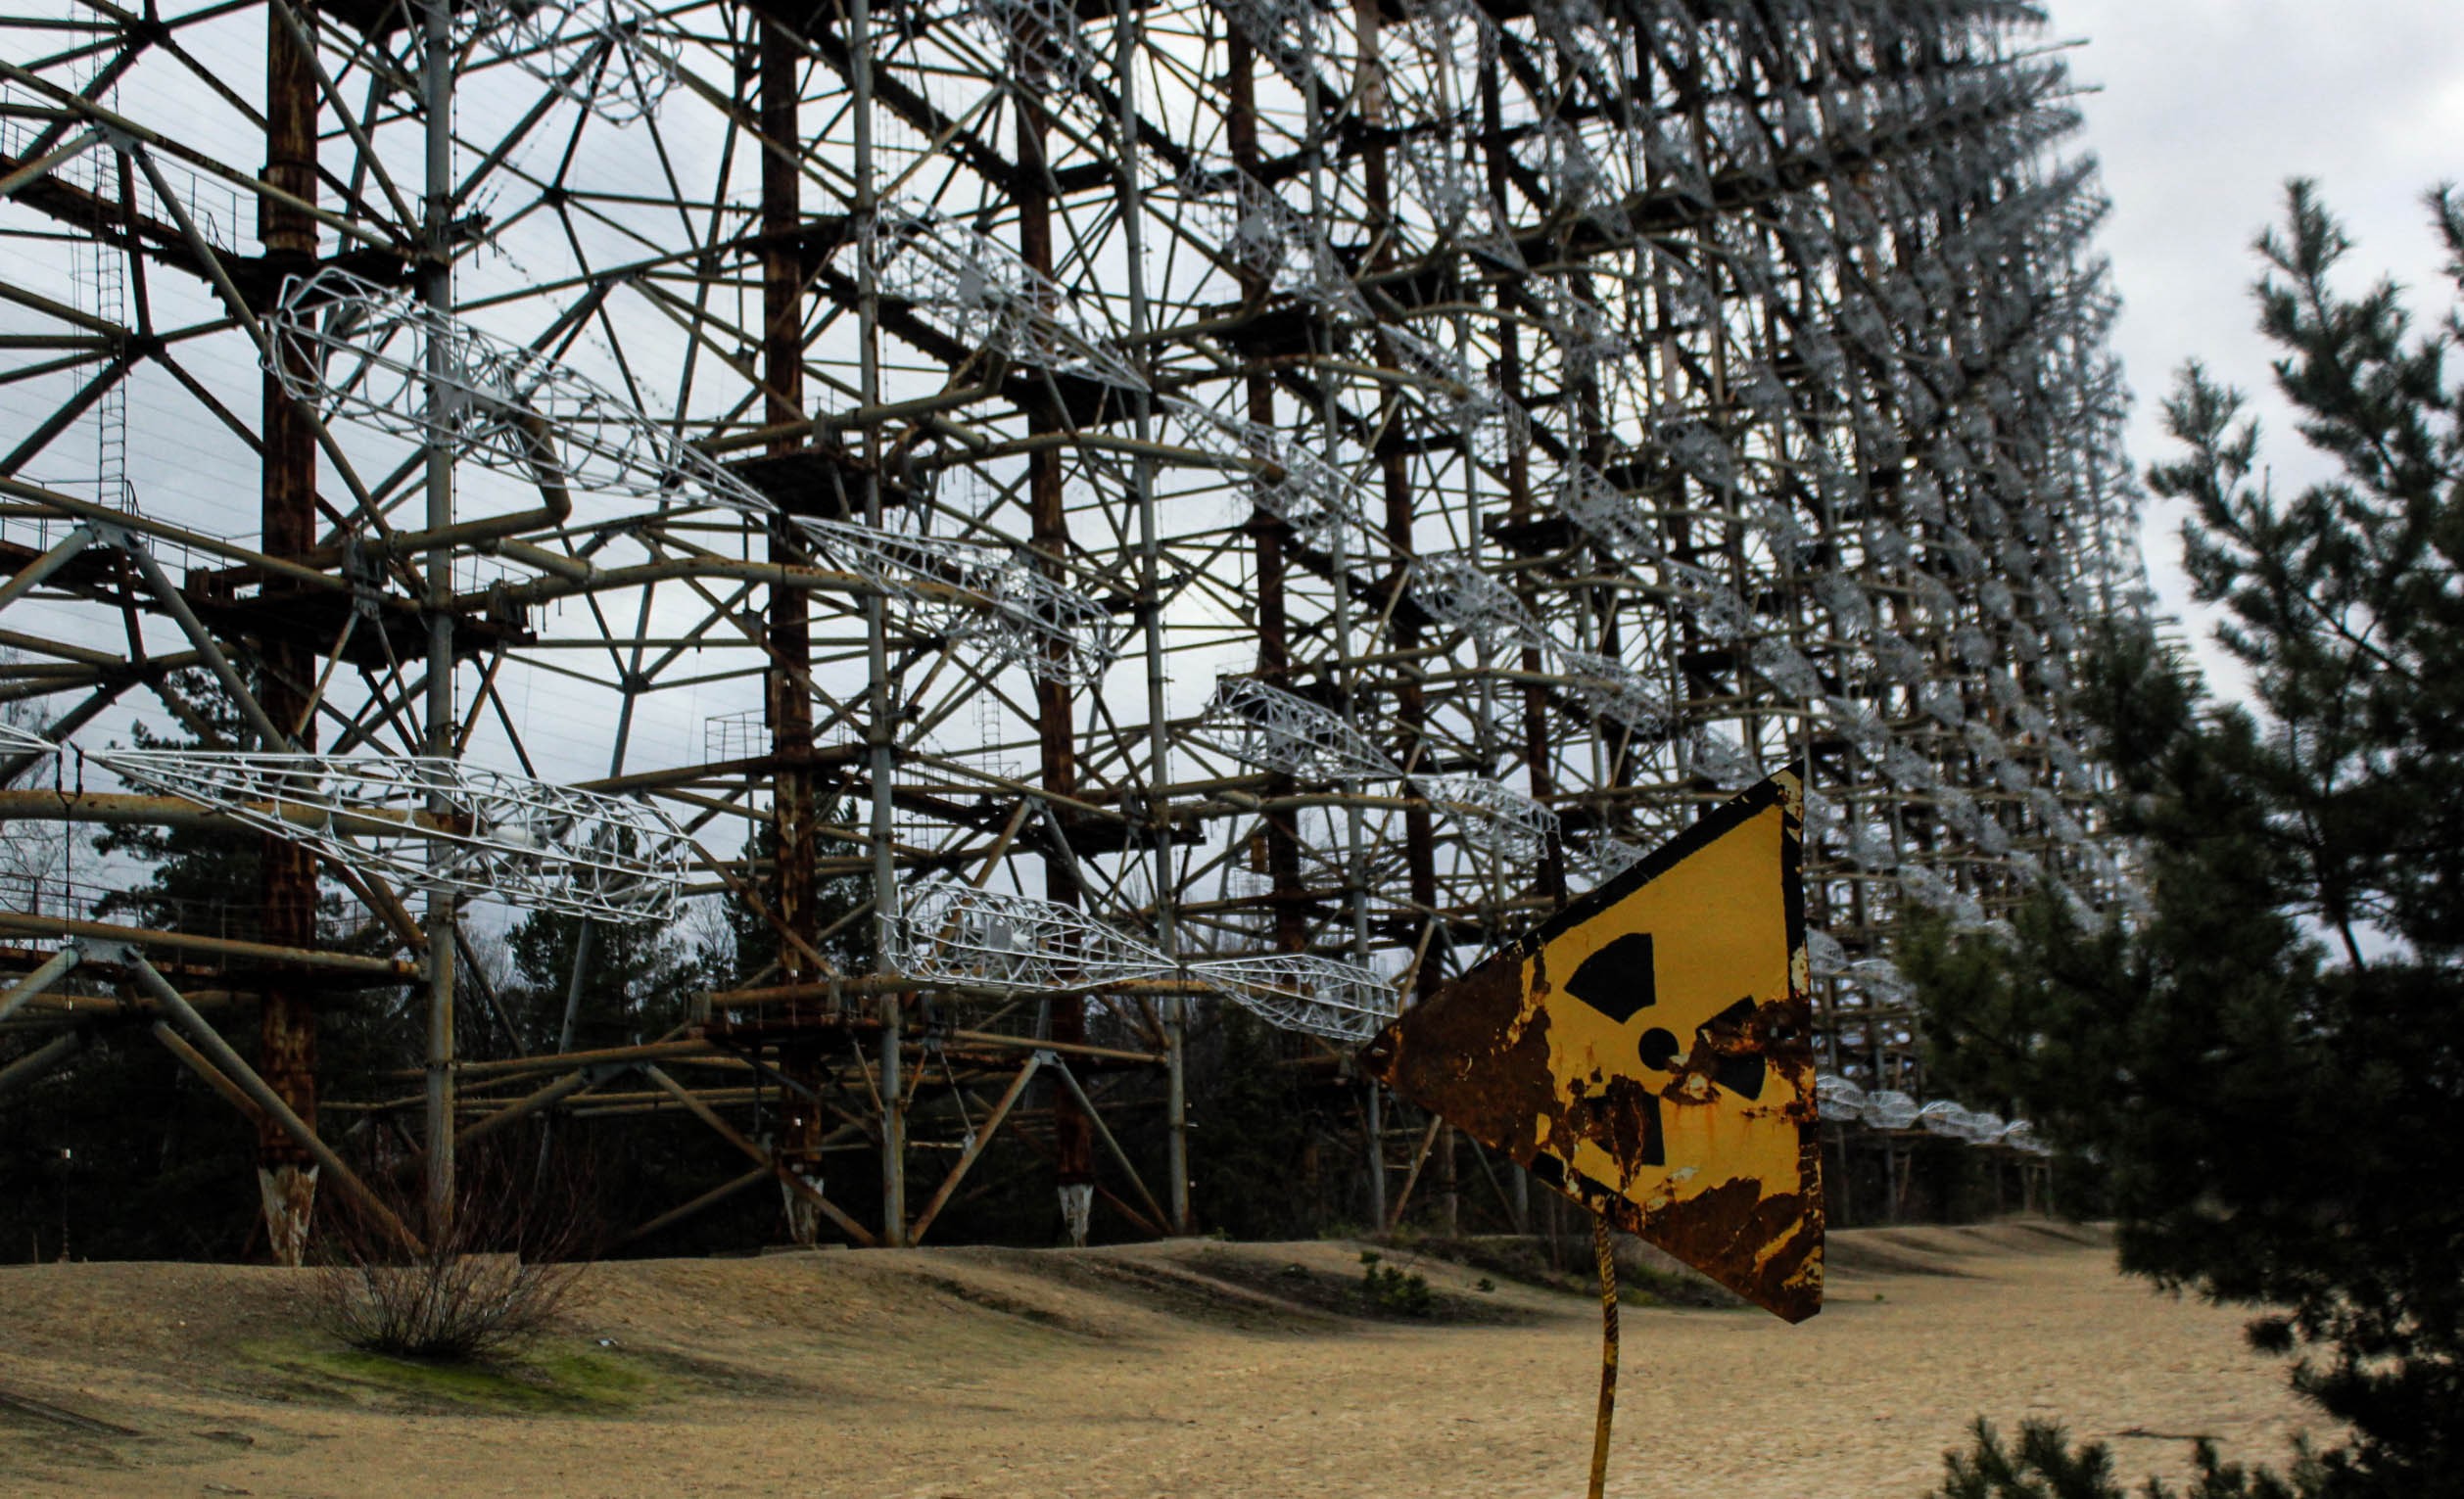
x: 1645, y: 1052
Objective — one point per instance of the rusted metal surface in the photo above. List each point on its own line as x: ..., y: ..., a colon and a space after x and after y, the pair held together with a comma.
x: 794, y: 814
x: 1645, y: 1053
x: 1073, y: 1134
x: 286, y: 1042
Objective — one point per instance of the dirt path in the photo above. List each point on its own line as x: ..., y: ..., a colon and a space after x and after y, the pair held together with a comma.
x: 1166, y: 1370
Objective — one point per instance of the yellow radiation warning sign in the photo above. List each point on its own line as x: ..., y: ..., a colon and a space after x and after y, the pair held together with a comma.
x: 1645, y: 1052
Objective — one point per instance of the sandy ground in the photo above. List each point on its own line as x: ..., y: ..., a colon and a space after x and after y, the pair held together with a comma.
x: 1173, y: 1369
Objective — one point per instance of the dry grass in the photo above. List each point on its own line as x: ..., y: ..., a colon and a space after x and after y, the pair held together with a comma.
x: 1126, y: 1373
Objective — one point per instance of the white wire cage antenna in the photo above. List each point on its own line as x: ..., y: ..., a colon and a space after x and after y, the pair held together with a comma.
x: 15, y: 741
x: 1019, y: 944
x: 1613, y: 690
x: 1823, y: 818
x: 1460, y: 208
x: 1899, y: 658
x: 2020, y: 1135
x: 1273, y: 730
x: 1932, y: 596
x: 1907, y: 770
x: 1305, y: 992
x: 1491, y: 816
x: 1878, y: 980
x: 1718, y: 609
x: 1959, y: 812
x: 1579, y: 31
x: 1576, y: 180
x: 1940, y: 894
x: 1738, y: 135
x: 1697, y: 447
x: 2056, y: 817
x: 1264, y: 234
x: 1837, y: 1098
x: 1607, y: 513
x: 1861, y: 724
x: 993, y: 299
x: 1824, y: 954
x: 1318, y: 500
x: 1787, y: 668
x: 1867, y: 845
x: 1941, y: 1116
x: 2010, y: 774
x: 1986, y: 1128
x: 1851, y: 609
x: 1723, y: 762
x: 526, y: 842
x: 1888, y: 1108
x: 1983, y: 742
x: 1049, y: 33
x: 1586, y: 334
x: 977, y: 591
x: 357, y: 352
x: 1497, y: 445
x: 1868, y: 326
x: 956, y: 934
x: 1284, y: 32
x: 1450, y: 387
x: 1453, y: 588
x: 1607, y: 858
x: 1236, y: 221
x: 601, y: 54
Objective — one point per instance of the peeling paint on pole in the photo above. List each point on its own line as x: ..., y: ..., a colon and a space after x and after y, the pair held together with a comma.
x: 1645, y: 1052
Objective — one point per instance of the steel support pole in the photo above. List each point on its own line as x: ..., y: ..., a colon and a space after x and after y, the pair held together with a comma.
x: 1395, y: 479
x: 1102, y: 1132
x: 1056, y: 721
x: 1376, y: 1125
x: 1538, y: 745
x: 1127, y: 36
x: 207, y: 1072
x: 36, y: 1062
x: 708, y: 1199
x: 881, y: 705
x: 30, y: 577
x: 1267, y: 531
x: 436, y: 292
x: 55, y: 968
x: 1345, y: 669
x: 382, y: 968
x: 787, y: 698
x: 980, y: 1138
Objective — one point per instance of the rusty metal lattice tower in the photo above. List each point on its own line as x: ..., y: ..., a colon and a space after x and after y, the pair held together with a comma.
x: 1249, y: 502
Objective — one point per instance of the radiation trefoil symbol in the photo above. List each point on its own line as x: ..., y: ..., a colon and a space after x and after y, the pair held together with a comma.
x: 1620, y: 982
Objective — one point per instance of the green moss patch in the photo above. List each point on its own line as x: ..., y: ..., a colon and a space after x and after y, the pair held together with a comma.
x: 573, y: 1380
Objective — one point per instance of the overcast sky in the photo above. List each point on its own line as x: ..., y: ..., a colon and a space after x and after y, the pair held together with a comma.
x: 2207, y: 106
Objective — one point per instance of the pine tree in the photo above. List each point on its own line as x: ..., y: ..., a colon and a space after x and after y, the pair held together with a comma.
x: 2268, y: 1069
x: 755, y: 942
x: 636, y: 982
x: 198, y: 880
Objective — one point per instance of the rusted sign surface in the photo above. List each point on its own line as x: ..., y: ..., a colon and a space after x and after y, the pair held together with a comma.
x: 1644, y: 1052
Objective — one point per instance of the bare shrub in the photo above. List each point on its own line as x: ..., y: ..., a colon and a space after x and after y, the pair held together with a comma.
x: 487, y: 1284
